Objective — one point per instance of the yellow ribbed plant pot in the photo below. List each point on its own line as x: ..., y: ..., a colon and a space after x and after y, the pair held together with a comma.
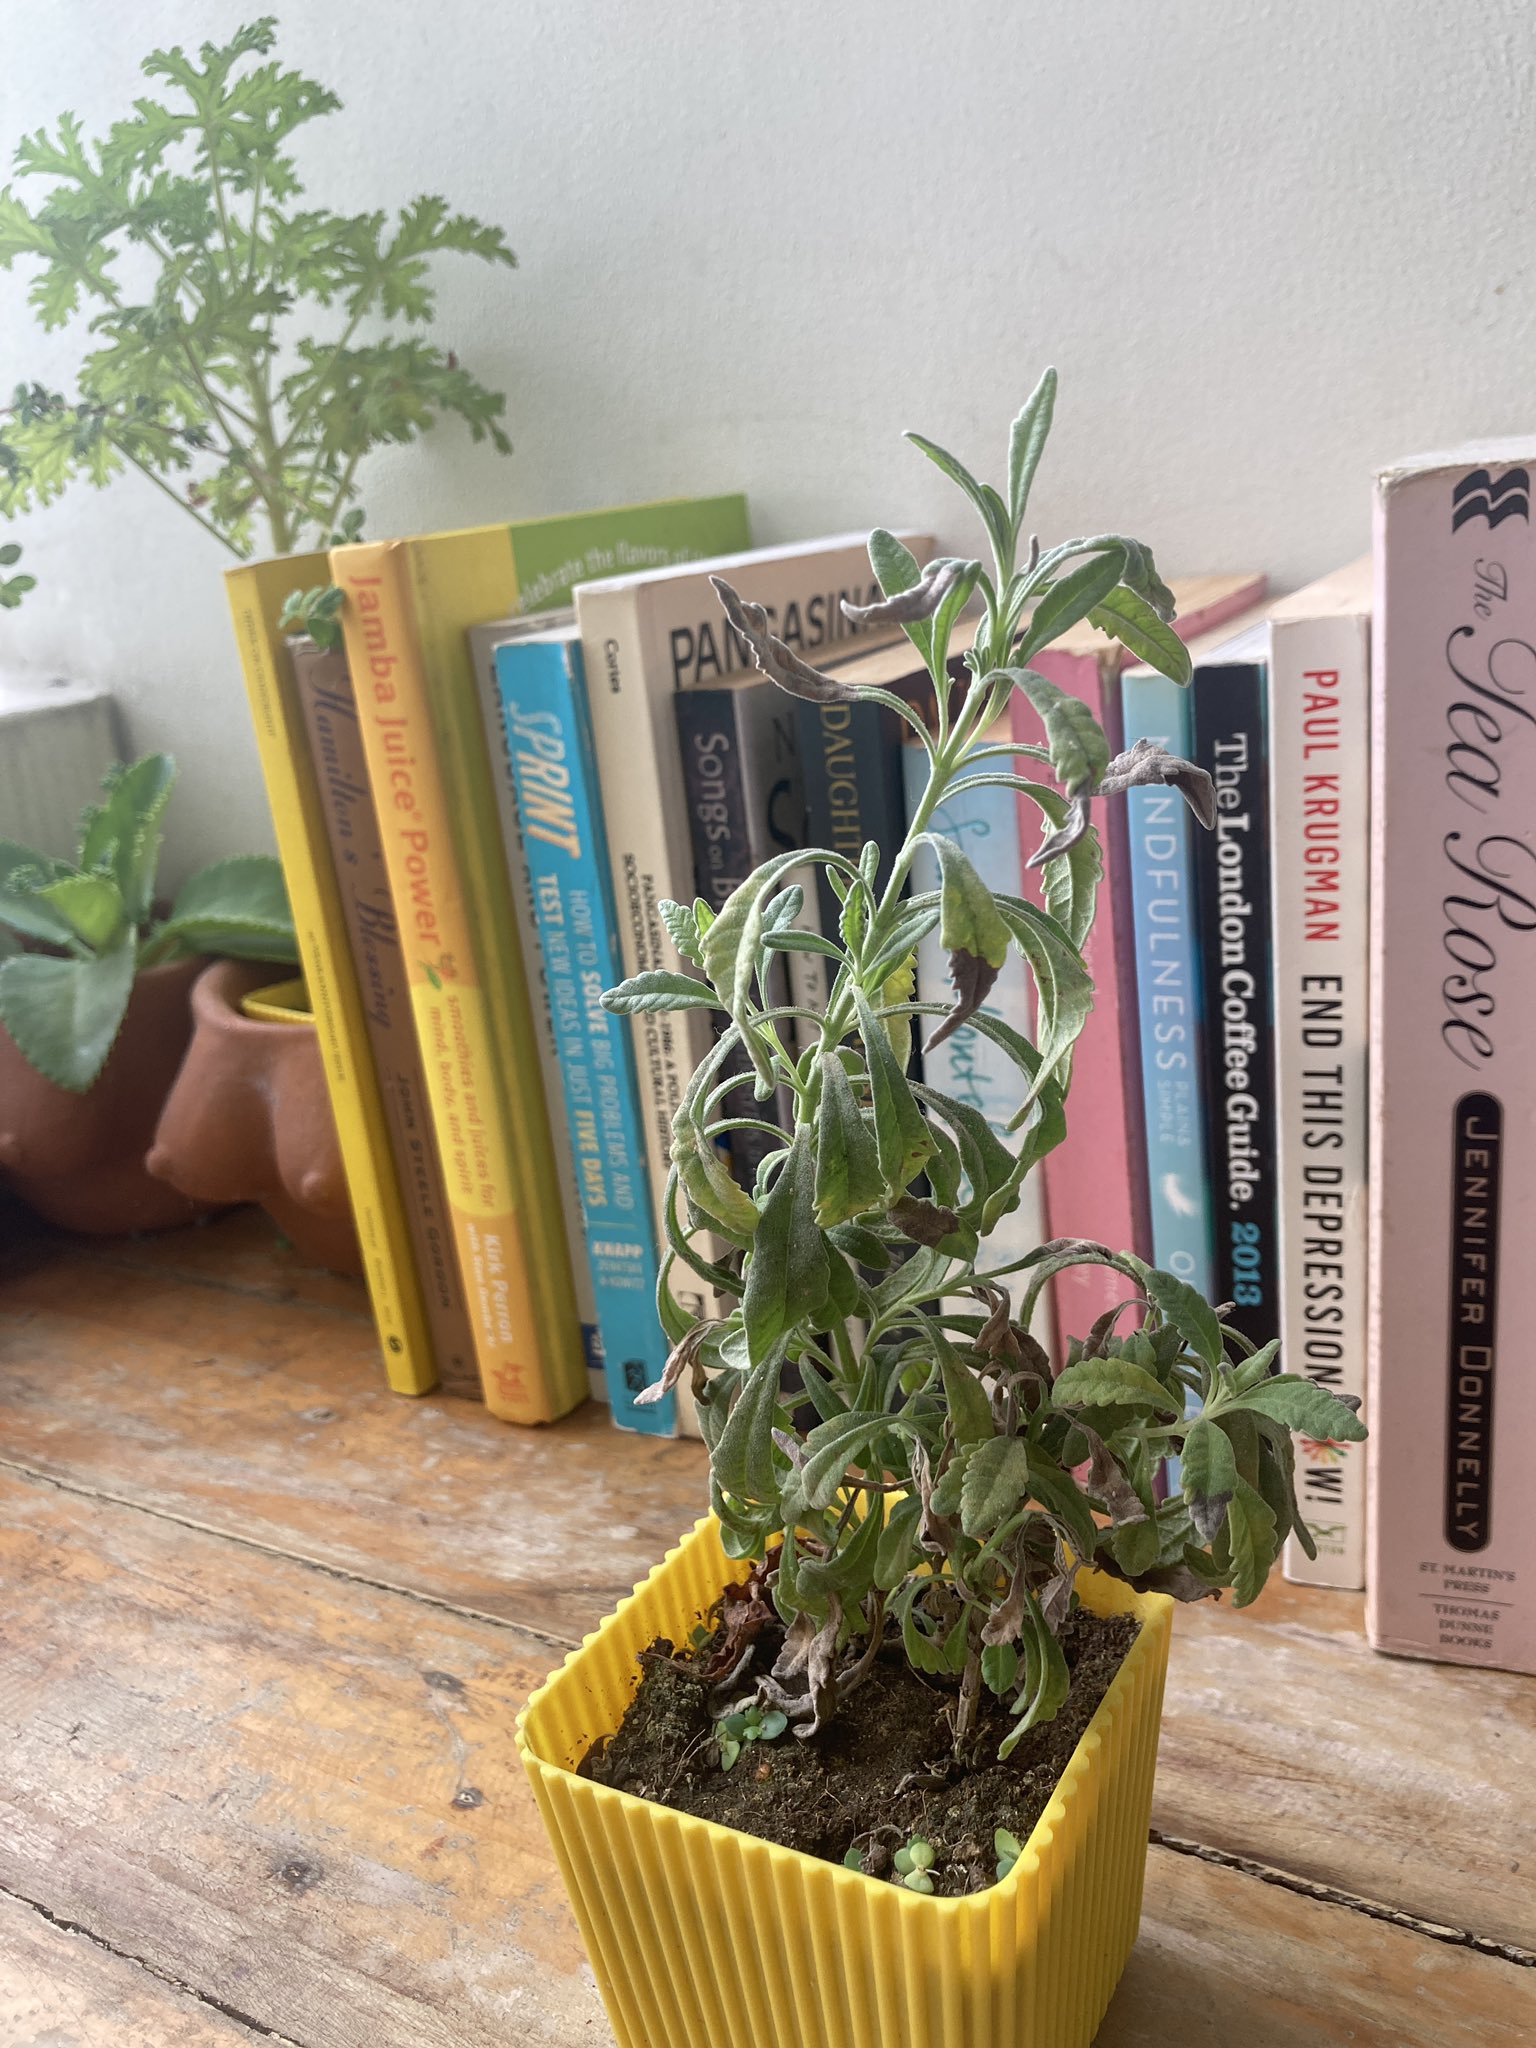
x: 703, y: 1936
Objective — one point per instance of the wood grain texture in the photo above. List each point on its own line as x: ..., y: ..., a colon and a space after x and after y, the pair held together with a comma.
x: 168, y: 1372
x: 269, y: 1418
x: 301, y: 1794
x: 62, y: 1990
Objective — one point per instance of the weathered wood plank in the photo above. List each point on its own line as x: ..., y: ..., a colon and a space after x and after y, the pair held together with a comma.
x: 61, y: 1990
x: 257, y: 1778
x: 1285, y: 1738
x: 270, y: 1419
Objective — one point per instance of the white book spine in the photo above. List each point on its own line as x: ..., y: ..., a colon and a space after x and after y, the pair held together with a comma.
x: 1319, y: 754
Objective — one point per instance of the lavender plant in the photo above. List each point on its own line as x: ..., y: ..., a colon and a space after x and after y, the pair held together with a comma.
x: 949, y: 1488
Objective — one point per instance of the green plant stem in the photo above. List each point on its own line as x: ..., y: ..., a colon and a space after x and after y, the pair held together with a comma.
x: 182, y: 503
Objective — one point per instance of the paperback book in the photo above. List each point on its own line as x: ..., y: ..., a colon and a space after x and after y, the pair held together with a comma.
x: 1319, y: 767
x: 549, y: 746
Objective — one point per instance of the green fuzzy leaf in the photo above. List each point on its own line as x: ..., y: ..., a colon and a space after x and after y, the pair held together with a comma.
x: 1047, y: 1680
x: 91, y: 905
x: 901, y: 1136
x: 1188, y: 1312
x: 898, y: 1553
x: 848, y: 1176
x: 1057, y: 1493
x: 969, y: 920
x: 64, y: 1015
x: 1026, y: 445
x: 969, y: 1404
x: 731, y: 946
x: 1135, y: 1545
x: 999, y: 1667
x: 1070, y: 600
x: 707, y: 1180
x: 1079, y: 750
x: 988, y: 506
x: 1255, y: 1368
x: 1112, y: 1382
x: 787, y: 1272
x: 743, y: 1460
x: 1307, y: 1408
x: 1128, y: 618
x: 1254, y: 1540
x: 831, y: 1447
x: 682, y: 927
x: 238, y: 908
x: 896, y: 569
x: 996, y: 1484
x: 1207, y: 1475
x: 658, y: 989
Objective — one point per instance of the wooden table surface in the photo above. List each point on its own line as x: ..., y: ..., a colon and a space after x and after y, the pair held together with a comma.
x: 266, y: 1627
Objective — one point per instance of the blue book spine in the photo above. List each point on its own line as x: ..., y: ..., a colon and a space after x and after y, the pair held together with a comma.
x: 1168, y: 990
x: 549, y: 737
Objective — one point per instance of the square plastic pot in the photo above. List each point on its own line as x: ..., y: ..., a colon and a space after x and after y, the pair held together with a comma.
x: 701, y: 1935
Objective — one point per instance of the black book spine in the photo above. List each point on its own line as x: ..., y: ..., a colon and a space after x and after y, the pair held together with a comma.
x: 1232, y: 888
x: 850, y: 757
x: 719, y: 825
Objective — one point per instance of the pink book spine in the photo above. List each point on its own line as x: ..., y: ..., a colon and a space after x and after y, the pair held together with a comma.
x: 1451, y: 1511
x: 1095, y: 1180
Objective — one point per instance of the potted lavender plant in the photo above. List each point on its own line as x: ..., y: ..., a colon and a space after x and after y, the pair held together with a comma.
x: 869, y: 1757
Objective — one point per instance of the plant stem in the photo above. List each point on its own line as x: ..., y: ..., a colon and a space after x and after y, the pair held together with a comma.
x: 181, y: 503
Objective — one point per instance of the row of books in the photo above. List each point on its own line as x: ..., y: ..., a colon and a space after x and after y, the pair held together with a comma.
x: 481, y: 810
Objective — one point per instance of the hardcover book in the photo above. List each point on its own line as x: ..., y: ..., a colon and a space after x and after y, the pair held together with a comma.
x: 1232, y: 895
x: 1452, y: 1523
x: 1095, y: 1182
x: 328, y: 708
x: 257, y: 593
x: 1319, y: 766
x: 549, y: 746
x: 644, y: 638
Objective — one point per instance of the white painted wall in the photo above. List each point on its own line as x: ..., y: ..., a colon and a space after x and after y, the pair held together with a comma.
x: 1269, y: 243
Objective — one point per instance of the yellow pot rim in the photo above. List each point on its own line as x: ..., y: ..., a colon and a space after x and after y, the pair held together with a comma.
x: 281, y: 1002
x: 1098, y: 1592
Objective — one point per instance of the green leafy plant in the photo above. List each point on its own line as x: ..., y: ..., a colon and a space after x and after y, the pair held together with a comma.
x: 913, y: 1864
x: 1009, y: 1849
x: 751, y: 1723
x: 208, y: 374
x: 73, y: 935
x: 13, y: 588
x: 933, y: 1480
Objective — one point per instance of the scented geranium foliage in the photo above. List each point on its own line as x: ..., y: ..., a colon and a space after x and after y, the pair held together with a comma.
x: 247, y: 350
x: 923, y: 1472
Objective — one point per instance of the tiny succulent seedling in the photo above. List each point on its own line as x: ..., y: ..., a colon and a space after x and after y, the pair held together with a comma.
x: 240, y: 361
x: 931, y: 1478
x: 914, y: 1863
x: 74, y: 934
x: 752, y: 1723
x: 1009, y: 1849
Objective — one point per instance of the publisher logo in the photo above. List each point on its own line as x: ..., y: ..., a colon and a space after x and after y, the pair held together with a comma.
x: 1477, y: 1167
x: 1477, y: 496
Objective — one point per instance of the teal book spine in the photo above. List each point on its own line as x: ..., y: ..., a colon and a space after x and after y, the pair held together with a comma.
x: 1168, y: 993
x: 544, y: 709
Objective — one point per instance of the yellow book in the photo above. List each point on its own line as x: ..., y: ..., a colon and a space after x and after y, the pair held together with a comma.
x: 256, y: 596
x: 405, y: 623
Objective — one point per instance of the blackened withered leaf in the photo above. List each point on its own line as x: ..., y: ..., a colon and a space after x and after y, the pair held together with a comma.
x: 919, y: 601
x: 972, y: 978
x: 1150, y: 762
x: 777, y: 661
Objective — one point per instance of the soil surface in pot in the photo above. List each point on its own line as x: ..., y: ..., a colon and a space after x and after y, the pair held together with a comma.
x: 880, y: 1774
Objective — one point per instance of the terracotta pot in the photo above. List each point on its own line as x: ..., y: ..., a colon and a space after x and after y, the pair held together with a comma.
x: 79, y: 1159
x: 249, y: 1120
